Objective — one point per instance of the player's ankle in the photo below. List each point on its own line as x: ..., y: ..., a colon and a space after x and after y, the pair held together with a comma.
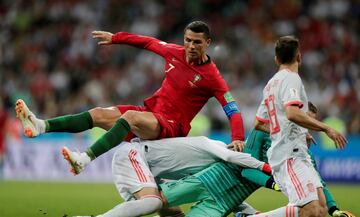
x: 41, y: 125
x: 89, y: 153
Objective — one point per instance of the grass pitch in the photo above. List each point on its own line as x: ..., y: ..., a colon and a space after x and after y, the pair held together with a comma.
x: 52, y: 199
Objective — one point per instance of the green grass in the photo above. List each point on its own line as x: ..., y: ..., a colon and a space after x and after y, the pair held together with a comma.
x: 34, y: 199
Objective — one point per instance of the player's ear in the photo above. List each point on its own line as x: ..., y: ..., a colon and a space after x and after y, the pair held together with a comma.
x: 298, y: 58
x: 208, y: 42
x: 276, y: 61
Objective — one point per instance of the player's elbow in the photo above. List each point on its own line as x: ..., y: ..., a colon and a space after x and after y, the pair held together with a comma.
x: 292, y: 113
x: 260, y: 125
x: 227, y: 158
x: 257, y: 124
x: 291, y: 117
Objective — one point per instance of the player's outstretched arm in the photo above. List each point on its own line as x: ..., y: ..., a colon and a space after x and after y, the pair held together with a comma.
x: 239, y: 158
x: 294, y: 114
x: 105, y: 38
x: 139, y: 41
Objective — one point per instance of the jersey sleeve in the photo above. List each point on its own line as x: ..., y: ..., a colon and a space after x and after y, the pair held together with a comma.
x: 255, y: 176
x: 290, y: 90
x: 253, y: 146
x: 262, y: 114
x: 140, y: 41
x: 230, y: 107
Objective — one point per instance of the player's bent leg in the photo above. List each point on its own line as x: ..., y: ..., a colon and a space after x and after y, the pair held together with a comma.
x: 147, y: 201
x: 105, y: 118
x: 187, y: 190
x: 322, y: 201
x: 170, y: 211
x: 312, y: 209
x: 32, y: 126
x: 143, y: 124
x: 207, y: 207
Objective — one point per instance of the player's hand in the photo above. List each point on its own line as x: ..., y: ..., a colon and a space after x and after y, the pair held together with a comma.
x: 236, y: 145
x: 342, y: 213
x: 339, y: 140
x: 104, y: 37
x: 310, y: 139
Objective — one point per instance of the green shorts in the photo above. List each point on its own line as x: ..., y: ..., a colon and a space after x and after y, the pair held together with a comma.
x: 189, y: 190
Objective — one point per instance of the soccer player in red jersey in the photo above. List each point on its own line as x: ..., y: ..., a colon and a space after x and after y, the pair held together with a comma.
x: 191, y: 79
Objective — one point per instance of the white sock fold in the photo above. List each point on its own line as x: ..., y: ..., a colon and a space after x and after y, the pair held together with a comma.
x: 144, y: 206
x: 286, y: 211
x: 41, y: 125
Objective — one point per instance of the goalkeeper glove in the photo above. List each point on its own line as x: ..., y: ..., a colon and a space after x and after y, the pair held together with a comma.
x: 270, y: 183
x: 342, y: 213
x: 276, y: 187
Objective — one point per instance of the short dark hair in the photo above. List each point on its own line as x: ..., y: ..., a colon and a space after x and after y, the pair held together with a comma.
x: 199, y: 27
x: 312, y: 108
x: 286, y: 48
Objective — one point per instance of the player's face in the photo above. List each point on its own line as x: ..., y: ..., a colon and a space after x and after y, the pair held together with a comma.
x: 195, y: 45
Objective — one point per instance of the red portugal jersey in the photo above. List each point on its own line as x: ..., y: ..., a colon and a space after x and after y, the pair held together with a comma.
x: 186, y: 88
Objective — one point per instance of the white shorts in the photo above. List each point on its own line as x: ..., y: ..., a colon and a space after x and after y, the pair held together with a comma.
x: 298, y: 180
x: 130, y: 170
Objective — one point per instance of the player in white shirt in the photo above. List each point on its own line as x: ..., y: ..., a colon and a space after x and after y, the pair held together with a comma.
x: 284, y: 107
x: 137, y: 164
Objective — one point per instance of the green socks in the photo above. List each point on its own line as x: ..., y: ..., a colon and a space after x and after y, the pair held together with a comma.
x: 70, y: 123
x: 83, y: 121
x: 110, y: 139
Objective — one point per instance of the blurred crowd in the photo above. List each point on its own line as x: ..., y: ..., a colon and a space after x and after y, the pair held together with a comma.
x: 49, y: 59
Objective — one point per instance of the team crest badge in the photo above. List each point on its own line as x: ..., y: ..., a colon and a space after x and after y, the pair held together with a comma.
x: 197, y: 78
x: 310, y: 187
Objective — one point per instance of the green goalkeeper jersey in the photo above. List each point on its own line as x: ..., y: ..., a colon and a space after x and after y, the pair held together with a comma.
x: 257, y: 144
x: 226, y: 185
x: 225, y: 181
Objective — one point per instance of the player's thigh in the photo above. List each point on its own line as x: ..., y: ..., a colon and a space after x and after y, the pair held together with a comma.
x: 105, y: 117
x: 321, y: 196
x: 183, y: 191
x: 131, y: 173
x: 143, y: 124
x: 312, y: 208
x: 298, y: 180
x: 206, y: 207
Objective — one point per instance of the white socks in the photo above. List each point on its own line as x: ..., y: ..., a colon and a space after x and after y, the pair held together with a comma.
x: 145, y: 205
x: 39, y: 124
x: 286, y: 211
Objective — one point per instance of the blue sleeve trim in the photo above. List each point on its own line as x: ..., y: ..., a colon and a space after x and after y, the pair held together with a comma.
x: 231, y: 108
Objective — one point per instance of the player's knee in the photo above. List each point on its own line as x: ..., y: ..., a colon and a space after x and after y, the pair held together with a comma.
x: 132, y: 117
x: 97, y: 114
x: 104, y: 117
x: 318, y: 212
x: 313, y: 209
x: 323, y: 211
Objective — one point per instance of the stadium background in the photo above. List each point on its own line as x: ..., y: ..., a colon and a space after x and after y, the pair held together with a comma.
x: 48, y: 58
